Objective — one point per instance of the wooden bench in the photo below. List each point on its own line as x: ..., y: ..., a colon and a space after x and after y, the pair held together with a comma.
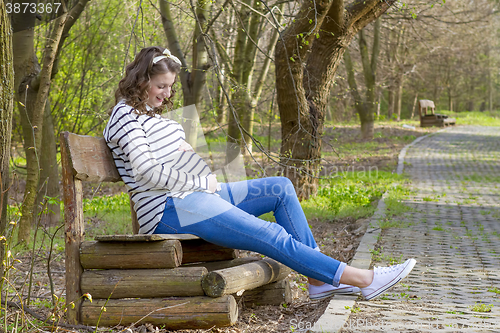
x: 428, y: 118
x: 179, y: 281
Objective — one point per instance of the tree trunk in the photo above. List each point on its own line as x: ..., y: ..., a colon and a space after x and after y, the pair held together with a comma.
x: 367, y: 129
x: 27, y: 85
x: 302, y: 99
x: 450, y: 100
x: 414, y: 106
x: 391, y: 98
x: 399, y: 94
x: 33, y: 152
x: 365, y: 106
x: 244, y: 60
x: 193, y: 82
x: 49, y: 174
x: 7, y: 107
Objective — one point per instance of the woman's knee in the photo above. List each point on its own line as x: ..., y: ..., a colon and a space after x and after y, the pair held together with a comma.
x: 283, y: 187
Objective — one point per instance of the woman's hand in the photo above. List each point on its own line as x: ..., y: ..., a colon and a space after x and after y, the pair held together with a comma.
x: 184, y: 146
x: 212, y: 183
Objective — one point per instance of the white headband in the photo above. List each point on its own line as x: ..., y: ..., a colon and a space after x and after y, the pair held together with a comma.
x: 167, y: 54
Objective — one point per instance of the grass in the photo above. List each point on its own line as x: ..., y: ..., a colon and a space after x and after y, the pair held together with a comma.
x: 103, y: 215
x: 494, y: 290
x: 107, y: 215
x: 378, y: 256
x: 486, y: 118
x: 480, y: 307
x: 352, y: 194
x: 481, y: 178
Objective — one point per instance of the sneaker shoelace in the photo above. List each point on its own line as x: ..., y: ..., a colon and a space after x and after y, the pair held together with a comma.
x: 385, y: 270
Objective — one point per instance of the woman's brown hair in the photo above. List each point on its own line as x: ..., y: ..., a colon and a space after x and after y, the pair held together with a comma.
x: 135, y: 85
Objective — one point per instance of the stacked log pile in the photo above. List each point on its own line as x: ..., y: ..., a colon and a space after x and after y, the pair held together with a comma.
x: 179, y: 281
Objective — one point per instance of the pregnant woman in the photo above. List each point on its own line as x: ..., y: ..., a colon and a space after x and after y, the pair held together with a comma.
x: 174, y: 190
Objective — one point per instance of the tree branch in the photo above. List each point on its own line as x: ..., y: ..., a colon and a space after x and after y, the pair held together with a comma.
x: 361, y: 12
x: 173, y: 41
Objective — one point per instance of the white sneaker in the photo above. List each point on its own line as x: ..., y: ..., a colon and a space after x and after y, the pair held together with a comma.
x: 326, y: 290
x: 386, y: 277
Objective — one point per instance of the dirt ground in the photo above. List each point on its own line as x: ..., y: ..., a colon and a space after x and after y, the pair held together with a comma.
x: 336, y: 238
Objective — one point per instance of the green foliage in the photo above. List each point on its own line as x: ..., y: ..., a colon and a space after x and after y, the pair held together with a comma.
x: 105, y: 204
x: 353, y: 194
x: 107, y: 215
x: 378, y: 256
x: 480, y: 307
x: 494, y: 290
x: 486, y: 118
x: 393, y: 202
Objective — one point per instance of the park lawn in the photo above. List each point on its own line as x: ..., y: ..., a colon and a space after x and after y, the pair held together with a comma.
x: 485, y: 118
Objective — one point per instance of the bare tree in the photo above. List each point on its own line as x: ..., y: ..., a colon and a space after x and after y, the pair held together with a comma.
x: 365, y: 106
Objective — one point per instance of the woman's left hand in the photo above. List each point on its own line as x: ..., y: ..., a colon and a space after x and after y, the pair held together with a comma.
x: 184, y: 146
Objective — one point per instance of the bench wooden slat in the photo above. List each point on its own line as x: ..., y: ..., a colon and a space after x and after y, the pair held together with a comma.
x: 144, y: 238
x: 173, y: 313
x: 91, y: 159
x: 143, y: 283
x: 130, y: 255
x: 245, y: 277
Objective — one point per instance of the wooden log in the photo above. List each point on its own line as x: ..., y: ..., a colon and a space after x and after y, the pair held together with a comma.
x: 144, y: 237
x: 174, y: 313
x: 74, y: 230
x: 275, y: 293
x: 200, y: 250
x: 244, y: 277
x: 143, y: 283
x: 215, y: 265
x: 133, y: 215
x: 130, y: 255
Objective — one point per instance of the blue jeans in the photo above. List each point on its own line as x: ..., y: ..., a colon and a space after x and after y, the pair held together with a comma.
x: 230, y: 220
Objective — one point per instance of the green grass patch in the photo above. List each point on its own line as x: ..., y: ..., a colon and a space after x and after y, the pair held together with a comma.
x: 486, y: 118
x: 393, y: 202
x: 391, y: 259
x: 353, y: 194
x: 480, y: 307
x: 395, y: 207
x: 494, y: 290
x: 103, y: 215
x: 107, y: 215
x: 478, y: 178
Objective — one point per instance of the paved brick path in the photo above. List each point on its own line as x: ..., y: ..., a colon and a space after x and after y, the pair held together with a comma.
x: 453, y: 232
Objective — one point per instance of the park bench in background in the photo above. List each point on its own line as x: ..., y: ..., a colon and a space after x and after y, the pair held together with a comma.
x: 428, y: 118
x: 179, y: 281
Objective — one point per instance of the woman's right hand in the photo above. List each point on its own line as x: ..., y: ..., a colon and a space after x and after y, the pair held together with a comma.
x: 212, y: 183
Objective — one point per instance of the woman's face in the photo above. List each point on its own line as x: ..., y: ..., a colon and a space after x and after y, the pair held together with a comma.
x: 161, y: 85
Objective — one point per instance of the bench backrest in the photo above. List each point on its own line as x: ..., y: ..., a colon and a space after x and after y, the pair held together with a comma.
x: 83, y: 158
x: 423, y: 107
x: 90, y: 158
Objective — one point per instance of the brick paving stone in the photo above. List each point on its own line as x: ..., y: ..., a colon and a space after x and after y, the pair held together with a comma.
x: 454, y: 233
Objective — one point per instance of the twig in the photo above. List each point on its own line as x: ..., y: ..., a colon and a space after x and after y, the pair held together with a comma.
x: 49, y: 273
x: 46, y: 320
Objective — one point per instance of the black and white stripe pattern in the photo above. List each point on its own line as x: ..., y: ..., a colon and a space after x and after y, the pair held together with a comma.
x: 145, y: 150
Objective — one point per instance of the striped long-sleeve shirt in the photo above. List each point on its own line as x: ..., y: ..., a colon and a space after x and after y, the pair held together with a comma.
x: 146, y: 153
